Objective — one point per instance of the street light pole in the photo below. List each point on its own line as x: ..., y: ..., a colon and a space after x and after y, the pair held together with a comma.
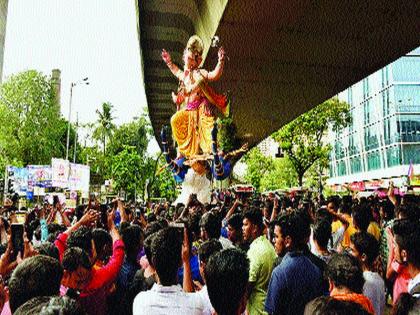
x: 68, y: 121
x: 75, y: 137
x: 73, y: 84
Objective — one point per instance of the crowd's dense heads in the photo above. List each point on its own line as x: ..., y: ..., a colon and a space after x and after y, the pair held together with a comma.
x: 240, y: 254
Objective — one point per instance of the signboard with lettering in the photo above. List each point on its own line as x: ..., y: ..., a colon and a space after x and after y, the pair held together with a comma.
x: 60, y: 172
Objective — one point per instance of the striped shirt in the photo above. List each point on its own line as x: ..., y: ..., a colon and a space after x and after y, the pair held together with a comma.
x: 162, y: 300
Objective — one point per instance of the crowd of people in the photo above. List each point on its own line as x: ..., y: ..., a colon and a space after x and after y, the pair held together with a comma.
x: 239, y: 254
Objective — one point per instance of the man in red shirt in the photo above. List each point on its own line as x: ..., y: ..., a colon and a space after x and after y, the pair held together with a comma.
x: 79, y: 276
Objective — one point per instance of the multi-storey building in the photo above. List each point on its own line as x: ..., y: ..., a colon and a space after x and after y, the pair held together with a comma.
x: 384, y: 136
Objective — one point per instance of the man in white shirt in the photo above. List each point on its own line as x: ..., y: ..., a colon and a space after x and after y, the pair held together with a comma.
x: 365, y: 248
x: 166, y: 297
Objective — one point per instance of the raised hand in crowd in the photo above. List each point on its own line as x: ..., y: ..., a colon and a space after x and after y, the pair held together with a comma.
x: 111, y: 226
x: 187, y: 283
x: 28, y: 250
x: 7, y: 263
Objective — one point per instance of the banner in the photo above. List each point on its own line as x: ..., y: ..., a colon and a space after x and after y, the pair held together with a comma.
x: 39, y: 191
x: 415, y: 180
x: 79, y: 177
x: 39, y: 176
x: 60, y: 172
x: 17, y: 180
x: 357, y: 186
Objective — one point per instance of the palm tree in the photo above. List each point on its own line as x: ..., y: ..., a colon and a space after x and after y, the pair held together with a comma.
x: 105, y: 126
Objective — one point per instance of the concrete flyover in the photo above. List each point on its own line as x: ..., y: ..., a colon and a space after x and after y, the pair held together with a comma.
x: 285, y: 56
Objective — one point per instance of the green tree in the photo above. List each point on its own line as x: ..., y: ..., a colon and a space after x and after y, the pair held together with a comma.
x: 105, y: 125
x: 162, y: 185
x: 258, y: 166
x: 226, y: 137
x: 136, y: 134
x: 126, y: 168
x: 99, y: 163
x: 134, y: 137
x: 302, y: 138
x: 30, y: 123
x: 282, y: 175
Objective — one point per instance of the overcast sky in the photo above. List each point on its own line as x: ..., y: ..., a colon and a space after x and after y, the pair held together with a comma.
x: 83, y: 38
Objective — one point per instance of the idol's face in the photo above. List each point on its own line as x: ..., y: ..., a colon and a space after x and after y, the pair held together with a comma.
x: 190, y: 60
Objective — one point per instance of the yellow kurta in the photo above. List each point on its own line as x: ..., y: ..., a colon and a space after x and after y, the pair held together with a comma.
x: 191, y: 129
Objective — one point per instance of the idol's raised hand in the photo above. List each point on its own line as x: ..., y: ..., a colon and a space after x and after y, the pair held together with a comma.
x: 221, y: 54
x: 166, y: 56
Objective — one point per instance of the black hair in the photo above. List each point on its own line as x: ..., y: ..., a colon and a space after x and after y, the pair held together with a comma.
x: 48, y: 249
x: 255, y: 216
x: 152, y: 228
x: 82, y: 238
x: 211, y: 224
x: 123, y: 226
x: 101, y: 238
x: 56, y: 200
x: 75, y: 257
x: 322, y: 214
x: 408, y: 211
x: 405, y: 304
x: 33, y: 306
x: 147, y: 246
x: 227, y: 273
x: 362, y: 216
x: 52, y: 236
x: 166, y: 254
x: 208, y: 248
x: 295, y: 225
x: 335, y: 200
x: 367, y: 244
x: 151, y: 217
x: 35, y: 276
x: 407, y: 236
x: 62, y: 305
x: 306, y: 221
x: 345, y: 208
x: 388, y: 209
x: 55, y: 227
x: 268, y: 204
x: 31, y: 226
x: 236, y: 221
x: 322, y: 232
x: 133, y: 237
x: 193, y: 226
x: 345, y: 271
x: 410, y: 199
x: 79, y: 211
x: 326, y: 305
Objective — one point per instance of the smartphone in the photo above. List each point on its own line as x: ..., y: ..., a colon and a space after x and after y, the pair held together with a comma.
x: 138, y: 213
x: 17, y: 239
x: 56, y: 200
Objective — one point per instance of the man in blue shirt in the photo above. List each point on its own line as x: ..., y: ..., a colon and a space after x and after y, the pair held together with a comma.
x: 296, y: 281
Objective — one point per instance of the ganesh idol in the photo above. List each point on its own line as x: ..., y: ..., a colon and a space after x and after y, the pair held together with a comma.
x: 197, y: 103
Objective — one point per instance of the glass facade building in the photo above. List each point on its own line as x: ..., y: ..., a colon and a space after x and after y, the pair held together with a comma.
x: 384, y: 136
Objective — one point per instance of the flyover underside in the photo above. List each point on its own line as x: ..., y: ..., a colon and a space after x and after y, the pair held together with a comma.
x: 284, y: 56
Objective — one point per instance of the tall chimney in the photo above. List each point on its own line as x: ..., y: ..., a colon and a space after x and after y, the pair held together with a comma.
x: 56, y: 83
